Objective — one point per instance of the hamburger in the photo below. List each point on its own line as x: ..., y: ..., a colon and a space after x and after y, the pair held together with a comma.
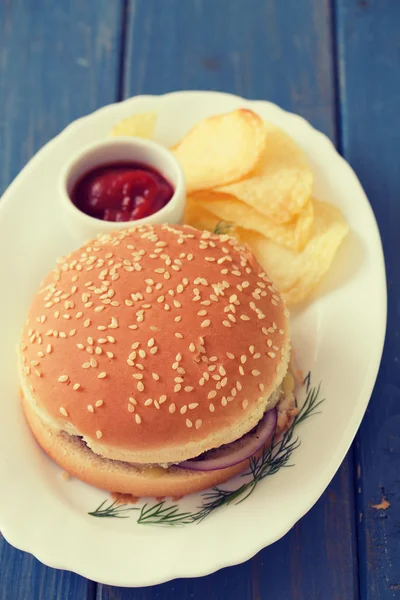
x: 152, y: 361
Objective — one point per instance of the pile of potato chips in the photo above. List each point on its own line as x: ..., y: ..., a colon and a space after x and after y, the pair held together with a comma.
x: 251, y: 178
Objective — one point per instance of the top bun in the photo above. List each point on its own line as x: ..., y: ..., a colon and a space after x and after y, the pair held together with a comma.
x: 155, y: 344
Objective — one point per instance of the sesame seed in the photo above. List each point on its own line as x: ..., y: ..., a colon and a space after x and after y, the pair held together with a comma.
x: 243, y: 359
x: 93, y: 362
x: 101, y: 375
x: 193, y: 405
x: 63, y: 378
x: 226, y: 324
x: 148, y: 401
x: 162, y: 399
x: 241, y: 370
x: 245, y: 404
x: 271, y: 354
x: 113, y: 324
x: 255, y: 372
x: 177, y: 387
x: 211, y: 407
x: 138, y: 419
x: 172, y: 408
x: 211, y: 394
x: 230, y: 355
x: 140, y: 386
x: 111, y: 339
x: 63, y: 411
x: 90, y: 408
x: 153, y: 350
x: 99, y: 434
x: 189, y: 423
x: 76, y: 386
x: 150, y: 343
x: 205, y: 323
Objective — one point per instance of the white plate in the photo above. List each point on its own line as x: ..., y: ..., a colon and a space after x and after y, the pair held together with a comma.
x: 338, y: 337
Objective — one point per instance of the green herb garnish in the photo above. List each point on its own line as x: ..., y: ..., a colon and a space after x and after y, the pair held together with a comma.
x: 270, y: 462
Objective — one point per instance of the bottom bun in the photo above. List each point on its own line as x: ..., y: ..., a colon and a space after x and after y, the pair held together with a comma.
x: 72, y: 454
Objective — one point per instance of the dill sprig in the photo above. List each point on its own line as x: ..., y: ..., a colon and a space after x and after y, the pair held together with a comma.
x: 114, y: 510
x: 272, y: 459
x: 160, y: 514
x: 222, y: 228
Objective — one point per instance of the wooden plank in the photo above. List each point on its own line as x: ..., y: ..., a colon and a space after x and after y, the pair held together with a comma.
x: 258, y: 49
x: 369, y: 46
x: 58, y: 61
x: 280, y: 52
x: 22, y: 577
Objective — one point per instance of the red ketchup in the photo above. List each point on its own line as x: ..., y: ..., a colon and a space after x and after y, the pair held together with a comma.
x: 121, y: 192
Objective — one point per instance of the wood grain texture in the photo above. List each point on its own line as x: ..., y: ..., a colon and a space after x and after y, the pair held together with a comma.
x: 22, y: 577
x: 58, y: 61
x: 369, y: 60
x: 279, y: 51
x: 261, y: 49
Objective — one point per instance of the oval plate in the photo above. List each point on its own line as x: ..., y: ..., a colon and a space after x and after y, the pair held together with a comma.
x: 338, y: 337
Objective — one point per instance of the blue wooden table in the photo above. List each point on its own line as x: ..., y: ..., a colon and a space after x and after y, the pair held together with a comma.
x: 337, y: 63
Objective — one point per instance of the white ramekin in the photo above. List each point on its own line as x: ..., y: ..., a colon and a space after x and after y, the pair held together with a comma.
x: 114, y: 150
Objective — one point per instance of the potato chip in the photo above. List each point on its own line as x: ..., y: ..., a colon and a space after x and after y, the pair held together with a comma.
x: 293, y: 235
x: 282, y: 182
x: 221, y: 149
x: 296, y: 274
x: 200, y: 218
x: 140, y: 125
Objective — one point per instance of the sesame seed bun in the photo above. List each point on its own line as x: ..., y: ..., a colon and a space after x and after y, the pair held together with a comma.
x: 72, y: 455
x: 154, y: 344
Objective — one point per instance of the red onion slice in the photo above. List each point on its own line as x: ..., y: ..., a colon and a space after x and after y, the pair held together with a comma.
x: 232, y: 454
